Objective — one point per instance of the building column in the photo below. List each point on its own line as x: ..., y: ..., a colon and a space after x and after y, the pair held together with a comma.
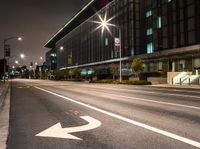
x: 173, y: 66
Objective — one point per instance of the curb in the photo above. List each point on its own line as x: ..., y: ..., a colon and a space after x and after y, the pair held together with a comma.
x: 197, y: 87
x: 4, y: 119
x: 3, y: 95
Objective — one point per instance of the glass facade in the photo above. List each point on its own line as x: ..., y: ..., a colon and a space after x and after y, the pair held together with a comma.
x: 148, y: 27
x: 51, y: 59
x: 174, y: 22
x: 149, y: 31
x: 85, y: 44
x: 150, y: 48
x: 148, y: 13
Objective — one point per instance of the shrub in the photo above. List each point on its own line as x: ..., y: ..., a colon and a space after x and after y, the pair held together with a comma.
x: 102, y: 81
x: 114, y: 69
x: 145, y: 75
x: 136, y: 82
x: 137, y: 66
x: 74, y: 80
x: 128, y: 82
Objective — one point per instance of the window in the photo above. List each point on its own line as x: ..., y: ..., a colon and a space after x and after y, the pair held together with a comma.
x: 106, y: 41
x: 149, y: 31
x: 150, y: 48
x: 149, y: 13
x: 159, y: 22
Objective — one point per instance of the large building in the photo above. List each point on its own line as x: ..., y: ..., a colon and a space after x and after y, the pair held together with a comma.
x: 3, y: 62
x: 51, y: 60
x: 165, y: 33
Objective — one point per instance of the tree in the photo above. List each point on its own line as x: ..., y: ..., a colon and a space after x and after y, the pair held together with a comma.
x: 75, y: 72
x: 137, y: 66
x: 114, y: 69
x: 96, y: 70
x: 66, y: 73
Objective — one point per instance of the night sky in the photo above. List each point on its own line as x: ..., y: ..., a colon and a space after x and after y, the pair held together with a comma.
x: 36, y: 21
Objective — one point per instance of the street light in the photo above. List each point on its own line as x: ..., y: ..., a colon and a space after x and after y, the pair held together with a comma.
x: 104, y: 24
x: 61, y: 48
x: 4, y: 47
x: 19, y: 38
x: 16, y: 62
x: 22, y: 56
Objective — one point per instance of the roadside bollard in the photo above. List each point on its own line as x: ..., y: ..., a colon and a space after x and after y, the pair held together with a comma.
x: 180, y: 82
x: 199, y: 81
x: 189, y: 81
x: 172, y: 81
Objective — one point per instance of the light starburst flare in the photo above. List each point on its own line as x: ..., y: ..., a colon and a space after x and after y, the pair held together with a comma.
x: 104, y: 23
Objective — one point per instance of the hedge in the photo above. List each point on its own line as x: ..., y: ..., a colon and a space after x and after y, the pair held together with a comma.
x: 128, y: 82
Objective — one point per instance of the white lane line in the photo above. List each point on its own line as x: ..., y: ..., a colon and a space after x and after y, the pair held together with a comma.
x: 154, y: 88
x: 159, y: 102
x: 143, y: 99
x: 150, y: 92
x: 145, y: 126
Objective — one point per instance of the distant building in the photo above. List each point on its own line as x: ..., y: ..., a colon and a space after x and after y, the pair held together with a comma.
x: 2, y: 62
x: 165, y: 33
x: 51, y: 60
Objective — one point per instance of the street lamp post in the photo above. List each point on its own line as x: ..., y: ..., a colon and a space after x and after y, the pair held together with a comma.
x: 4, y: 47
x: 104, y: 24
x: 120, y: 54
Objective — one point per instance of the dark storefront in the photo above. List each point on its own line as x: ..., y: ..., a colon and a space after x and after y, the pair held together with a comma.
x: 2, y: 62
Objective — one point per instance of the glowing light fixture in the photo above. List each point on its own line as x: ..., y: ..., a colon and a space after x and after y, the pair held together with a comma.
x: 22, y: 56
x: 61, y: 48
x: 16, y: 62
x: 104, y: 23
x: 19, y: 38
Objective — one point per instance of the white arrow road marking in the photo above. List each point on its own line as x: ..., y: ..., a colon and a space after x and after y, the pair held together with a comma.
x: 56, y: 131
x: 136, y: 123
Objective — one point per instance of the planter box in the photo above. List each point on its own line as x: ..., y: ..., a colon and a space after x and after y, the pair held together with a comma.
x: 134, y: 78
x: 157, y: 80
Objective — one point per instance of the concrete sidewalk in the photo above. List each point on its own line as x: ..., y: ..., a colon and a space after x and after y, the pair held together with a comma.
x: 178, y: 86
x: 4, y: 113
x: 3, y: 90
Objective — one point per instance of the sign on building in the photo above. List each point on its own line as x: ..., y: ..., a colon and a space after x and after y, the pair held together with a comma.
x: 117, y: 44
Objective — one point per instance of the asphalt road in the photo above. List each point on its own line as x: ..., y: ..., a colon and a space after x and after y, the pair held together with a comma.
x: 65, y: 115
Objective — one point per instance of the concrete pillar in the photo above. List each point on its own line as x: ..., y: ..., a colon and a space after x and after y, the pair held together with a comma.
x: 173, y: 66
x: 192, y: 64
x: 197, y: 72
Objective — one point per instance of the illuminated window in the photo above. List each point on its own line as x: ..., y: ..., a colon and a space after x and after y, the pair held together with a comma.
x: 149, y: 13
x: 150, y: 48
x: 149, y: 31
x: 159, y: 22
x: 53, y: 55
x: 106, y: 41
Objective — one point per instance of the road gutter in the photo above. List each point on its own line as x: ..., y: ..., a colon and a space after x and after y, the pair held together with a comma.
x: 4, y: 118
